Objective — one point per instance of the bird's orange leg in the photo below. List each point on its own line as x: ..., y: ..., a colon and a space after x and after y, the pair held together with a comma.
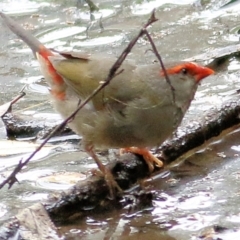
x: 149, y: 158
x: 112, y: 184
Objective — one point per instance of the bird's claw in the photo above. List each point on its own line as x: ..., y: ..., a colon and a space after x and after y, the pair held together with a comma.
x: 149, y: 158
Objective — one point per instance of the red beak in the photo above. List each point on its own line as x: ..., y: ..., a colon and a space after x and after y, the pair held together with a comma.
x: 201, y: 72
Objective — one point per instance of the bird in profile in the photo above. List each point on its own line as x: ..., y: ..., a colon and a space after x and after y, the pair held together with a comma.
x: 135, y: 111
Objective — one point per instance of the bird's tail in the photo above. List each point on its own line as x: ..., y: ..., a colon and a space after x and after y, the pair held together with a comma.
x: 26, y: 36
x: 42, y: 53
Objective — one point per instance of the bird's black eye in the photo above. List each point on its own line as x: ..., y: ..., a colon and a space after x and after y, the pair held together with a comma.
x: 184, y: 71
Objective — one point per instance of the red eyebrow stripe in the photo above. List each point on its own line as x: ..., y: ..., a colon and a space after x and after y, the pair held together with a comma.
x: 197, y: 71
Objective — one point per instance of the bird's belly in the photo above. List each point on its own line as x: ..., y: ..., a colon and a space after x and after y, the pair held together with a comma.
x: 153, y: 127
x: 145, y: 128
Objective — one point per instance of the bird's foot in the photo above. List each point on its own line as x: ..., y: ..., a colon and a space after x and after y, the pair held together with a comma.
x: 106, y: 173
x: 149, y: 158
x: 112, y: 184
x: 110, y: 181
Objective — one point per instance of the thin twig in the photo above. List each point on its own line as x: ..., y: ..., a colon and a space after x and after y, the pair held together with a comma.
x: 161, y: 63
x: 9, y: 108
x: 22, y: 94
x: 11, y: 179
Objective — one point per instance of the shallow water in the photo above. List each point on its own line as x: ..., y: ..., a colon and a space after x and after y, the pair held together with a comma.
x: 195, y: 196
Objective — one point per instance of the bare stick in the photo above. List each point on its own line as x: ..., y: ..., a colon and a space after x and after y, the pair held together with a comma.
x: 11, y: 179
x: 9, y: 104
x: 161, y: 63
x: 22, y: 94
